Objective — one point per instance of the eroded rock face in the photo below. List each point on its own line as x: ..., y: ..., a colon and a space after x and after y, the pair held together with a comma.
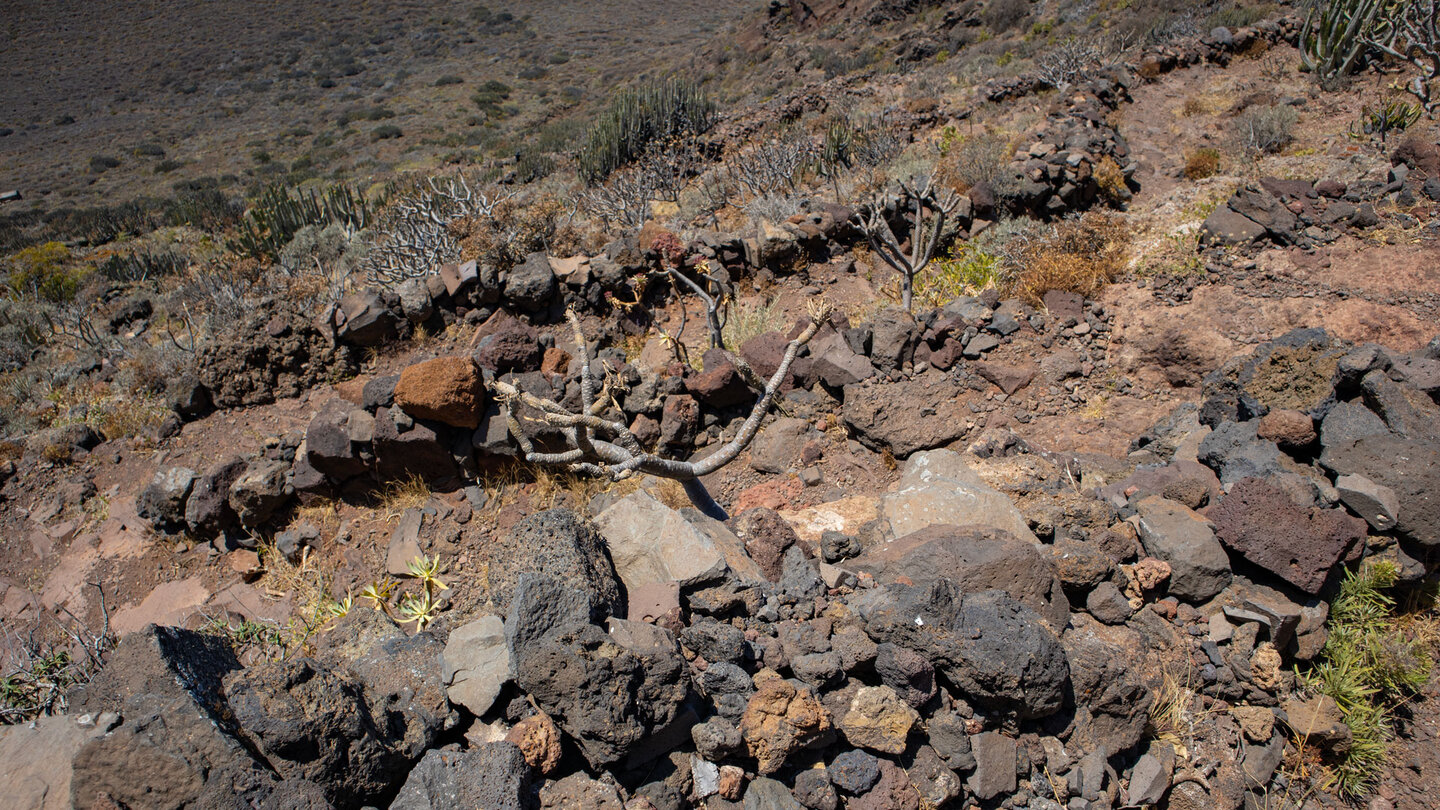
x: 311, y: 723
x: 990, y: 646
x: 276, y: 352
x: 493, y: 775
x: 559, y: 543
x: 167, y: 686
x: 607, y: 697
x: 976, y: 559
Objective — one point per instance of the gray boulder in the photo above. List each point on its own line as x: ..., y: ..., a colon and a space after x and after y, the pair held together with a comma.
x: 938, y: 487
x: 976, y: 559
x: 260, y: 491
x: 494, y: 776
x: 562, y: 545
x: 994, y: 649
x: 530, y: 285
x: 476, y: 664
x: 650, y: 542
x: 162, y: 501
x: 207, y: 510
x: 365, y: 318
x: 1199, y: 567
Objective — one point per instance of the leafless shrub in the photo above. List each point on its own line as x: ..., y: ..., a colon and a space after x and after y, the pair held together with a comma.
x: 601, y: 447
x: 1069, y: 61
x: 1267, y: 128
x: 774, y: 165
x: 414, y: 234
x: 923, y: 208
x: 623, y: 199
x: 1173, y: 29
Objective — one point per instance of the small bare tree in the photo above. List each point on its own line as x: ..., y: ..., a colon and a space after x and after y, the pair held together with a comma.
x: 773, y: 166
x: 600, y: 446
x: 925, y: 209
x: 623, y: 199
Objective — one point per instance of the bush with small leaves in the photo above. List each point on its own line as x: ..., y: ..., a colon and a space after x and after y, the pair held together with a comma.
x: 1266, y: 129
x: 1202, y: 163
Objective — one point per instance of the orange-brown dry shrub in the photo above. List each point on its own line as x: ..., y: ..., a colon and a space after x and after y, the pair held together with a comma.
x: 1078, y: 255
x: 1202, y: 163
x: 1111, y: 179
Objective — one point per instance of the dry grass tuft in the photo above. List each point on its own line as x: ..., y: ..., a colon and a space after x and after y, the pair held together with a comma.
x: 409, y: 493
x: 1078, y: 255
x: 1202, y: 163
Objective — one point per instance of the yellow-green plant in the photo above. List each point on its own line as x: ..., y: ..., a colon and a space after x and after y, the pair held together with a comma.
x: 379, y: 593
x: 427, y: 570
x: 966, y: 270
x: 1369, y: 668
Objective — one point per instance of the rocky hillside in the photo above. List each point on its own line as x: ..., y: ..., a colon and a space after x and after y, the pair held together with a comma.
x: 520, y: 495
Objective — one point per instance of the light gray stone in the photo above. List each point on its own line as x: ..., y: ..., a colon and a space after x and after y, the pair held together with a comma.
x: 1377, y: 503
x: 650, y: 542
x: 938, y: 487
x: 1199, y: 567
x: 476, y: 664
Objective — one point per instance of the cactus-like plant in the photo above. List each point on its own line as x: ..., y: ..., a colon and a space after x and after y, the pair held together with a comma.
x: 1337, y: 34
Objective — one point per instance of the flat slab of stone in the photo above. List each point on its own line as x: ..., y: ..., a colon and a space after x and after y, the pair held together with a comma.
x: 37, y: 759
x: 937, y: 487
x: 169, y: 604
x: 650, y: 542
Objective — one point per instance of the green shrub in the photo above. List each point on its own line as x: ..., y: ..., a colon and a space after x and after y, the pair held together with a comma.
x: 638, y: 118
x: 1202, y: 163
x: 280, y: 213
x: 489, y: 97
x: 1391, y: 117
x: 385, y: 132
x: 43, y: 272
x: 149, y: 150
x: 100, y: 164
x: 1369, y: 667
x: 448, y: 79
x: 966, y: 270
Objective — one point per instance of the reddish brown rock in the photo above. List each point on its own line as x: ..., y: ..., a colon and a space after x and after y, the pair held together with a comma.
x: 506, y: 343
x: 446, y: 389
x: 1301, y: 545
x: 1008, y: 378
x: 1289, y: 429
x: 720, y: 385
x: 679, y: 421
x: 539, y: 740
x: 555, y: 361
x: 766, y: 536
x: 781, y: 719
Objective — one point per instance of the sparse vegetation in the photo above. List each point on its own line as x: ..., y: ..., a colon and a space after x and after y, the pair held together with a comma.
x: 1202, y: 163
x: 1370, y: 667
x: 1266, y: 128
x: 638, y: 118
x: 1078, y: 255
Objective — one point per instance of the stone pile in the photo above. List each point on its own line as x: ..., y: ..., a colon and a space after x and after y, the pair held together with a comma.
x: 989, y: 636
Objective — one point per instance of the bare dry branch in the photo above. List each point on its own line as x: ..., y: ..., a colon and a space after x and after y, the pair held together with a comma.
x: 607, y: 448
